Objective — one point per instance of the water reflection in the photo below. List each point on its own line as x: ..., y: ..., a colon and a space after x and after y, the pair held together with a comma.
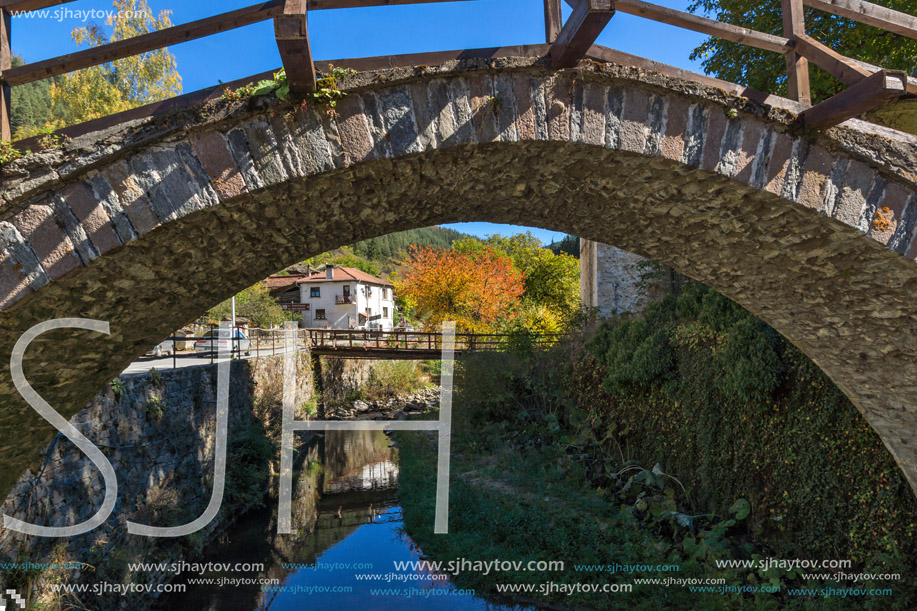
x: 347, y: 527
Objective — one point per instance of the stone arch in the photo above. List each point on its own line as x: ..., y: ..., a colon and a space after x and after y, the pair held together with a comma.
x: 150, y: 223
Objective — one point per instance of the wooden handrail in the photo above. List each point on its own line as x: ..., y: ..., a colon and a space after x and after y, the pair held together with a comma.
x: 176, y: 35
x: 870, y: 14
x: 21, y: 6
x: 568, y: 43
x: 143, y: 43
x: 696, y: 23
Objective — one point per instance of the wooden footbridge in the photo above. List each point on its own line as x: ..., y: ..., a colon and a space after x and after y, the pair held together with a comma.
x: 413, y: 345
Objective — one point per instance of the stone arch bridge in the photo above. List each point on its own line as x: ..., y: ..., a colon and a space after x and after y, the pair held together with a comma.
x: 147, y: 224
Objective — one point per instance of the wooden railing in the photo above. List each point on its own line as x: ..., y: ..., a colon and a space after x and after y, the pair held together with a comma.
x: 405, y: 341
x: 869, y: 86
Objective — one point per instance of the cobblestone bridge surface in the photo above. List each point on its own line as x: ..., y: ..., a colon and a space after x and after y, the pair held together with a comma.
x: 148, y: 224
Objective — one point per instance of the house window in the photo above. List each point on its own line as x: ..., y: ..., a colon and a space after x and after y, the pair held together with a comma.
x: 319, y: 314
x: 346, y: 290
x: 315, y: 292
x: 384, y: 312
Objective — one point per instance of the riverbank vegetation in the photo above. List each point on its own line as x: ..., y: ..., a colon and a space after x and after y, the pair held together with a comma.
x: 695, y: 428
x: 392, y: 379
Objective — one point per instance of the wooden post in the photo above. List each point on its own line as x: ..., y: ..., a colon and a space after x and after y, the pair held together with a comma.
x: 552, y: 20
x: 292, y: 34
x: 797, y: 66
x: 6, y: 94
x: 318, y: 384
x: 587, y: 21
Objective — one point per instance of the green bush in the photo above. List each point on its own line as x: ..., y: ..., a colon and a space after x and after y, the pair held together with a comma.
x: 721, y: 399
x: 393, y: 378
x: 248, y: 469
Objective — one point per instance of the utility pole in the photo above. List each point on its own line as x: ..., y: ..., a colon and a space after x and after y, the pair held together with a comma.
x: 232, y: 339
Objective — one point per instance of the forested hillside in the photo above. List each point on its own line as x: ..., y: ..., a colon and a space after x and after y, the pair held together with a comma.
x: 389, y: 247
x: 384, y: 255
x: 32, y: 105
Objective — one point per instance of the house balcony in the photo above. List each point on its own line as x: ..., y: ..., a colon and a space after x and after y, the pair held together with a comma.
x: 342, y: 299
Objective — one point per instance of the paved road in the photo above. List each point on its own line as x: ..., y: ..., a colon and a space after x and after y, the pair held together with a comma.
x: 184, y: 359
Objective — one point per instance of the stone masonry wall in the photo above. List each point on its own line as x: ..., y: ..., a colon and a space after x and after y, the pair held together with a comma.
x: 164, y: 465
x: 615, y: 281
x: 343, y: 377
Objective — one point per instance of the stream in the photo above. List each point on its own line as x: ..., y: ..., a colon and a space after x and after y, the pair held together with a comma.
x: 347, y: 535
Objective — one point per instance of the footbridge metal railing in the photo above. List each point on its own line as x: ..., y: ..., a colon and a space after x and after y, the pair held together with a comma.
x: 368, y: 343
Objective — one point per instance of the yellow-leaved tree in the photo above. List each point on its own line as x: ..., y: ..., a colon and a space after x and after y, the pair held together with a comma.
x: 122, y: 84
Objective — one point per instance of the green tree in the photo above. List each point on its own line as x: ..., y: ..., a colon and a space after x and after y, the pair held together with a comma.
x: 254, y: 303
x: 551, y: 280
x: 345, y: 257
x: 394, y: 246
x: 569, y: 244
x: 766, y: 71
x: 126, y: 83
x: 31, y: 105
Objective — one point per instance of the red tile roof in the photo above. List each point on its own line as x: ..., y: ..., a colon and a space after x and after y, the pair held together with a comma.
x: 345, y: 273
x: 275, y: 283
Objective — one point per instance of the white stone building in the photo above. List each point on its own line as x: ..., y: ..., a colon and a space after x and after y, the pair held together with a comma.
x: 615, y: 281
x: 347, y: 298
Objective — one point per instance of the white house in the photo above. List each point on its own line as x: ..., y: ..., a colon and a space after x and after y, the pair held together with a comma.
x: 347, y: 298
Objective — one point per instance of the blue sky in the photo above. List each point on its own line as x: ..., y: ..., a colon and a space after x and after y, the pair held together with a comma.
x: 364, y: 32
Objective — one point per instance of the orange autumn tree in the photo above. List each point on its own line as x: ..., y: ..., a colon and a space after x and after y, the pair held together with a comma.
x: 475, y: 289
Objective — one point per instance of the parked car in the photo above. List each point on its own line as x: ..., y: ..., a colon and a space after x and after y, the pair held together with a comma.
x: 220, y: 339
x: 163, y: 348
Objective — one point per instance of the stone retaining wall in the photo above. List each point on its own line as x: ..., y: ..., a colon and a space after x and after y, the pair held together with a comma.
x: 164, y: 464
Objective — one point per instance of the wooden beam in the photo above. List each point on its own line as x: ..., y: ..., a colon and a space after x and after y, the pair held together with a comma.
x: 175, y: 35
x: 911, y: 81
x: 588, y: 20
x: 868, y: 94
x: 704, y: 25
x: 22, y: 6
x: 292, y: 33
x: 829, y: 60
x: 314, y: 5
x: 319, y: 5
x: 870, y: 14
x: 797, y: 66
x: 553, y: 21
x: 146, y: 42
x: 6, y: 94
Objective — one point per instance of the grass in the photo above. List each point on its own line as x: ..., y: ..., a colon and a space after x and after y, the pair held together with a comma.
x: 533, y: 501
x: 392, y: 379
x: 533, y: 506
